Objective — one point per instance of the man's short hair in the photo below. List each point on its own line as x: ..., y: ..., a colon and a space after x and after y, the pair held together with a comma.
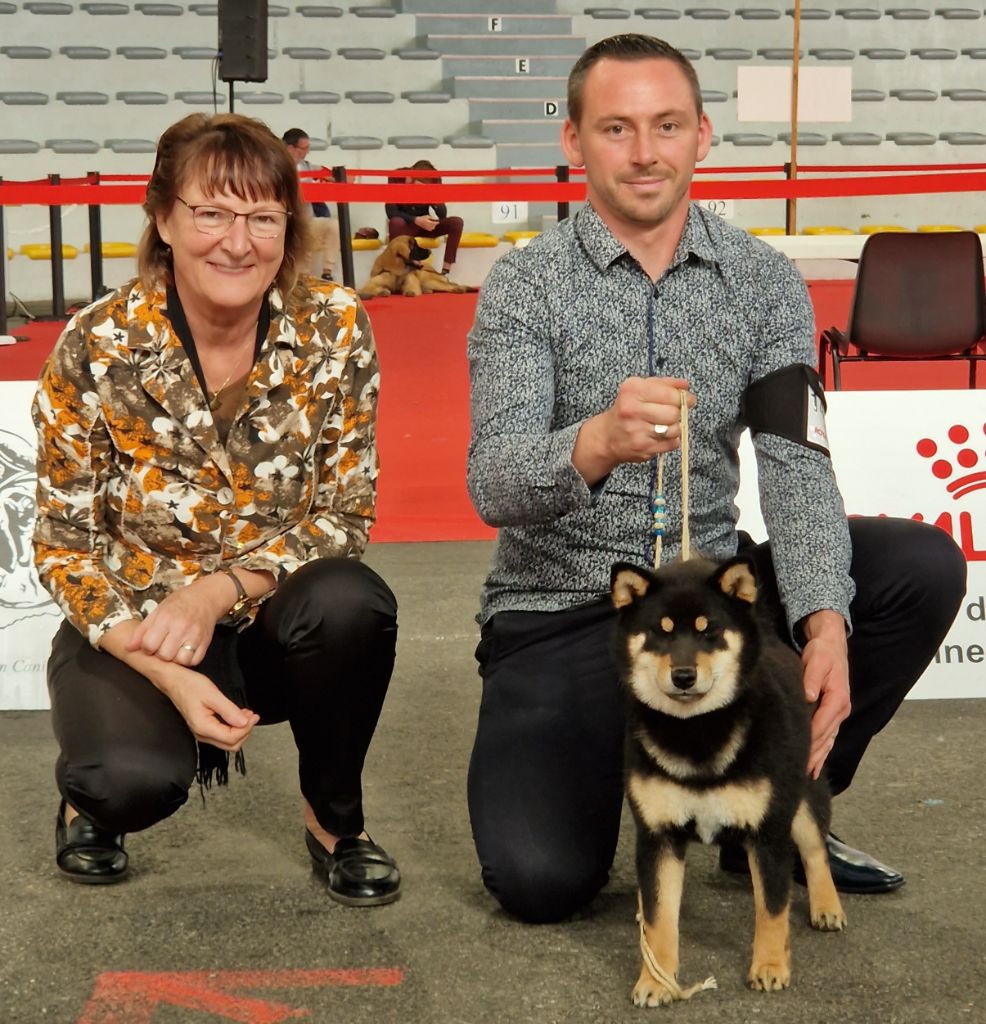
x: 293, y: 136
x: 627, y: 47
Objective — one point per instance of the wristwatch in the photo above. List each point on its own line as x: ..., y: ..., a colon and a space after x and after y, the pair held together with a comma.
x: 241, y: 607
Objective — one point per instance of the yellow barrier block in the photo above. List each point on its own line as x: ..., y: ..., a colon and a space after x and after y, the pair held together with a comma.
x: 42, y: 251
x: 514, y: 236
x: 827, y: 229
x: 931, y: 228
x: 876, y: 229
x: 478, y: 240
x: 766, y: 231
x: 366, y: 244
x: 980, y: 229
x: 428, y: 243
x: 115, y: 250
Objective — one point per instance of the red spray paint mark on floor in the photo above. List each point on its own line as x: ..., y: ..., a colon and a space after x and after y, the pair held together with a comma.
x: 131, y: 997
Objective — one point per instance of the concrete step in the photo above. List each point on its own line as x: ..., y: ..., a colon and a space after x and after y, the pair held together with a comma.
x: 494, y: 21
x: 529, y: 154
x: 517, y: 109
x: 527, y: 86
x: 499, y: 44
x: 534, y: 63
x: 478, y: 6
x: 543, y: 131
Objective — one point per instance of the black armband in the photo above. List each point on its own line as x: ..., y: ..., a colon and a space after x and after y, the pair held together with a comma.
x: 790, y: 403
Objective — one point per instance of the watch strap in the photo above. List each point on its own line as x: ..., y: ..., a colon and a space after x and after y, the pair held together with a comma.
x: 243, y: 603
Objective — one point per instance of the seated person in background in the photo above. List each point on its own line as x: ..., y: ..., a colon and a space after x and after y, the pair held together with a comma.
x: 418, y: 219
x: 206, y: 467
x: 325, y: 250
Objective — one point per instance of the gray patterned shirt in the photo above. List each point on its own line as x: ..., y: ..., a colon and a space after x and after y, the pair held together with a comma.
x: 559, y: 325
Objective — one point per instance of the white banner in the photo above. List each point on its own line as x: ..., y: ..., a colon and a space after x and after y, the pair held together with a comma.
x: 917, y: 455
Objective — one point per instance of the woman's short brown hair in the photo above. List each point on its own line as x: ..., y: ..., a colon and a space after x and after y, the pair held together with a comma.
x: 223, y: 152
x: 627, y: 46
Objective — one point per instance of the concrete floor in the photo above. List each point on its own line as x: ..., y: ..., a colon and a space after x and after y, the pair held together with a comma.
x: 227, y: 888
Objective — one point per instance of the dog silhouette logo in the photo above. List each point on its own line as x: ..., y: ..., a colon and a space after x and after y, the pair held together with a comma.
x: 963, y: 466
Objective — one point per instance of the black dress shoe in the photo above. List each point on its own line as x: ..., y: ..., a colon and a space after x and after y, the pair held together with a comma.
x: 87, y: 854
x: 359, y: 873
x: 852, y: 870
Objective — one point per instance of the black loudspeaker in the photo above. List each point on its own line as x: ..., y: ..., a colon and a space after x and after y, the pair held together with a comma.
x: 243, y: 40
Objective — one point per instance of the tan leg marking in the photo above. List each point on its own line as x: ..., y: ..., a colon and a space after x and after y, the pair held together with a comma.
x: 770, y: 970
x: 661, y: 935
x: 824, y: 905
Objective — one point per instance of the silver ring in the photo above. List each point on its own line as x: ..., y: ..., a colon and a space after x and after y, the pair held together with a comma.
x: 188, y: 647
x: 660, y: 429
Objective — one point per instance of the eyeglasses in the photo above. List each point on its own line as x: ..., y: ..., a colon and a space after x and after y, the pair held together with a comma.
x: 214, y: 220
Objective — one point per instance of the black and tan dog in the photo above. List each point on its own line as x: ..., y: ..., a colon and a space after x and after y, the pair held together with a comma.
x: 717, y: 744
x: 402, y: 268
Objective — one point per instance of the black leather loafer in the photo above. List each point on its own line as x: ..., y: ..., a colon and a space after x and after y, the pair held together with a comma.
x: 359, y: 873
x: 852, y: 870
x: 87, y: 854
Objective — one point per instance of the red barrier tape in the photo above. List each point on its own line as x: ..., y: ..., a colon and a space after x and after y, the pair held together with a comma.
x: 45, y: 194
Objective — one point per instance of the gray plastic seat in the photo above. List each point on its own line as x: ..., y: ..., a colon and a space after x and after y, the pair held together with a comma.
x: 963, y: 138
x: 319, y: 11
x: 261, y: 98
x: 26, y: 52
x: 306, y: 53
x: 607, y: 13
x: 141, y: 52
x: 415, y: 53
x: 965, y: 95
x: 707, y: 13
x: 804, y: 138
x: 196, y: 97
x: 204, y: 10
x: 46, y: 7
x: 361, y: 53
x: 426, y: 96
x: 23, y: 99
x: 831, y: 53
x: 934, y: 53
x: 758, y: 13
x: 369, y: 96
x: 469, y: 142
x: 748, y: 139
x: 883, y: 53
x: 692, y: 55
x: 138, y: 98
x: 958, y: 14
x: 729, y: 53
x: 911, y: 138
x: 18, y: 146
x: 914, y: 95
x: 413, y: 141
x: 811, y: 13
x: 102, y: 10
x: 85, y: 52
x: 72, y: 145
x: 714, y: 96
x: 83, y: 99
x: 357, y: 142
x: 857, y: 138
x: 195, y: 52
x: 858, y: 13
x: 778, y: 53
x: 868, y: 95
x: 277, y: 11
x: 7, y: 8
x: 314, y: 96
x: 657, y: 13
x: 908, y: 13
x: 975, y: 52
x: 130, y: 145
x: 160, y: 10
x: 373, y: 12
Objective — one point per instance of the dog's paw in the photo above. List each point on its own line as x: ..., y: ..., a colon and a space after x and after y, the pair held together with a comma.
x: 769, y: 976
x: 649, y: 992
x: 829, y: 919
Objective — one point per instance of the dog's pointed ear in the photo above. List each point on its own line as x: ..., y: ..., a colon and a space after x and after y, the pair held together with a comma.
x: 738, y: 579
x: 627, y: 583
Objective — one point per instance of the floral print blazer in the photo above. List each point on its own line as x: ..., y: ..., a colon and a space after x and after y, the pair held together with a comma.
x: 137, y: 494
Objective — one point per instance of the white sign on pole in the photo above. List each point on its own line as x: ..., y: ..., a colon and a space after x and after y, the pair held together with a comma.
x: 508, y: 213
x: 764, y: 94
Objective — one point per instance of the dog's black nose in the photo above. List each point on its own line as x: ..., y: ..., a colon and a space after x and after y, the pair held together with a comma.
x: 683, y: 678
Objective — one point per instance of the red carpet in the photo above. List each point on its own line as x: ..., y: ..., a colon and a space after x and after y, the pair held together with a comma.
x: 424, y: 403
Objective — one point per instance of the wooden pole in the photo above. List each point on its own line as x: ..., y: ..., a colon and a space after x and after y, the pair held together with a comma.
x: 791, y: 219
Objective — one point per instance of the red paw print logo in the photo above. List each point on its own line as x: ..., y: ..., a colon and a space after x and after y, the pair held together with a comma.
x: 955, y: 466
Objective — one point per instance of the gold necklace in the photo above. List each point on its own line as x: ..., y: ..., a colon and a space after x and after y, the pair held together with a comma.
x: 217, y: 394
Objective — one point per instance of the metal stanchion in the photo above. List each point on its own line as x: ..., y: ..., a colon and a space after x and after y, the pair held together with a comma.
x: 57, y: 266
x: 561, y: 175
x: 95, y: 243
x: 3, y: 274
x: 345, y: 234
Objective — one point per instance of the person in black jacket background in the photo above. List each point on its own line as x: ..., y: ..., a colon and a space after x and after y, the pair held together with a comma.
x: 422, y: 220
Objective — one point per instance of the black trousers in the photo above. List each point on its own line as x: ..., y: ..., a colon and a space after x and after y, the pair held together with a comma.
x: 319, y: 656
x: 546, y: 774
